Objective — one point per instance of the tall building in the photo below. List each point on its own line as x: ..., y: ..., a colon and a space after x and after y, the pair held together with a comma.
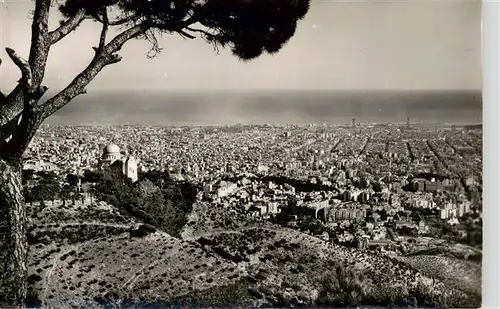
x: 111, y: 155
x: 129, y: 168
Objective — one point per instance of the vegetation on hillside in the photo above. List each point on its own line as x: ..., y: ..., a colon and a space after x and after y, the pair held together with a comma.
x: 287, y: 267
x: 155, y: 199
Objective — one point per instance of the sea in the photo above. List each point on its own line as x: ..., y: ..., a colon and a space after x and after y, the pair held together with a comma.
x: 179, y: 108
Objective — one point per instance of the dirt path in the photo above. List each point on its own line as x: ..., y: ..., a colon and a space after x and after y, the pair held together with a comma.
x: 116, y: 225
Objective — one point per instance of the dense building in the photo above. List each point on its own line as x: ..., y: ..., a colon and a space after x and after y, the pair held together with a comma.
x: 453, y: 210
x: 363, y: 169
x: 40, y: 165
x: 339, y: 214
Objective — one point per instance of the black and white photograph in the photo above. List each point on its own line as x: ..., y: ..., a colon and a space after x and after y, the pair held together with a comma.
x: 241, y: 154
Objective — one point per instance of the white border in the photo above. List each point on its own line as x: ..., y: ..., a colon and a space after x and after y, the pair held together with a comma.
x: 491, y: 156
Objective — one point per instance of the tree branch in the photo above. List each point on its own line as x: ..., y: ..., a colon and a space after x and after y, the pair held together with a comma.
x: 173, y: 28
x: 106, y: 57
x: 15, y: 100
x: 199, y: 30
x: 185, y: 34
x: 39, y: 41
x: 104, y: 31
x: 155, y: 48
x: 117, y: 42
x: 37, y: 60
x: 17, y: 133
x: 118, y: 22
x: 178, y: 26
x: 68, y: 26
x: 26, y: 80
x: 188, y: 22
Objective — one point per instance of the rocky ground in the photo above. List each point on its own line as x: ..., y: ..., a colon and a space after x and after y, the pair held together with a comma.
x: 89, y: 256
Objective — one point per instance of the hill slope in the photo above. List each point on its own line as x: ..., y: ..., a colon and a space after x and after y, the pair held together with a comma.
x: 88, y: 256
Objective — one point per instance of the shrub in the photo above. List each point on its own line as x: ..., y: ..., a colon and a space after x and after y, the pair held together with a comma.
x: 142, y: 231
x: 285, y: 284
x: 32, y: 279
x: 341, y: 287
x: 255, y: 293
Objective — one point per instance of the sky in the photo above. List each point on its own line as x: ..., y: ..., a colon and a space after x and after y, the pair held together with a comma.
x: 340, y: 45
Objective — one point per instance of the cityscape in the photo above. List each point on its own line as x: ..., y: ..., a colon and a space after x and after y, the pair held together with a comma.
x: 407, y: 192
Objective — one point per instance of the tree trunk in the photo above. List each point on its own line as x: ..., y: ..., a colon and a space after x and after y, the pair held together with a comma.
x: 13, y: 241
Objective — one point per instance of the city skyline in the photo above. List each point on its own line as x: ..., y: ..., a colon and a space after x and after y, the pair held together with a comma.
x: 344, y: 46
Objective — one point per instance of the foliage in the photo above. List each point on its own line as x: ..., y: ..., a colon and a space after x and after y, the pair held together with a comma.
x: 475, y: 238
x: 408, y: 231
x: 65, y: 193
x: 164, y: 204
x: 157, y: 177
x: 383, y: 214
x: 377, y: 187
x: 27, y: 176
x: 72, y: 180
x: 225, y: 23
x: 231, y: 295
x: 340, y: 286
x: 224, y: 296
x: 314, y: 226
x: 48, y: 187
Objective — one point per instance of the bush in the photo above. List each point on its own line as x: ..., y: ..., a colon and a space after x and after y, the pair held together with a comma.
x: 341, y: 287
x: 166, y: 209
x: 32, y: 300
x: 33, y: 279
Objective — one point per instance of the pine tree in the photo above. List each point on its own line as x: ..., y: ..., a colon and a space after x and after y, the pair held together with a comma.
x: 247, y: 27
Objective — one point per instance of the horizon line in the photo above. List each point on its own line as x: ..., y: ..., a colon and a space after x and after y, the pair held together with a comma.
x: 361, y: 124
x: 279, y: 90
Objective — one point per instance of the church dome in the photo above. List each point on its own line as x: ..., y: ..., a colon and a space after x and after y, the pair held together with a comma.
x: 111, y: 149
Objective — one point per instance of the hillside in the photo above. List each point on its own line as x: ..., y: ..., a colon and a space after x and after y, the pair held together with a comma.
x: 458, y: 273
x: 288, y: 256
x: 93, y: 255
x: 88, y: 256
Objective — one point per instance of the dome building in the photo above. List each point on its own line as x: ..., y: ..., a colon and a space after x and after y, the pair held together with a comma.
x: 111, y: 155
